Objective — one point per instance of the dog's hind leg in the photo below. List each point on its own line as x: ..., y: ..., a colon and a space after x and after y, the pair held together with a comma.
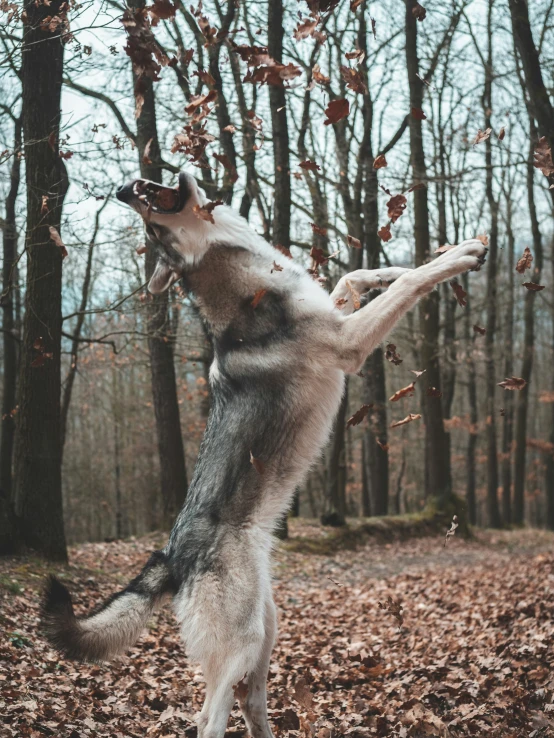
x: 254, y: 704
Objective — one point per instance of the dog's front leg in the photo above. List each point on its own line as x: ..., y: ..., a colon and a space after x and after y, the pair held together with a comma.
x: 358, y: 334
x: 363, y: 280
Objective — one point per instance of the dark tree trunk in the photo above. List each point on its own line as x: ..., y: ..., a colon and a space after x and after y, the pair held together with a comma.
x: 160, y: 340
x: 335, y: 497
x: 507, y: 428
x: 437, y: 457
x: 528, y: 347
x: 278, y: 105
x: 366, y: 498
x: 549, y: 465
x: 8, y: 530
x: 377, y: 457
x: 471, y: 474
x: 38, y: 488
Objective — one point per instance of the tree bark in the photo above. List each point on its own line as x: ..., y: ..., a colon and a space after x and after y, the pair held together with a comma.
x: 38, y: 490
x: 507, y: 427
x: 471, y: 474
x: 549, y: 465
x: 437, y: 458
x: 335, y: 512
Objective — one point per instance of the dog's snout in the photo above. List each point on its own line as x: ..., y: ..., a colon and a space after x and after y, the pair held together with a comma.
x: 125, y: 192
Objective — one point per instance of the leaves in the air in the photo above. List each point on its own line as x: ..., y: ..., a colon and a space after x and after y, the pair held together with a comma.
x: 146, y: 55
x: 204, y: 212
x: 142, y: 249
x: 481, y: 136
x: 258, y: 297
x: 525, y: 261
x: 384, y: 233
x: 42, y: 354
x: 501, y: 134
x: 357, y: 56
x: 483, y: 238
x: 395, y: 608
x: 354, y: 294
x: 56, y: 238
x: 146, y: 154
x: 433, y: 392
x: 318, y: 229
x: 380, y: 161
x: 396, y: 206
x: 513, y: 383
x: 336, y: 110
x: 404, y: 392
x: 478, y: 329
x: 276, y: 267
x: 354, y: 79
x: 419, y: 12
x: 228, y: 165
x: 307, y: 28
x: 258, y: 464
x: 459, y: 291
x: 162, y: 10
x: 240, y: 690
x: 418, y: 114
x: 543, y: 157
x: 383, y: 446
x: 263, y: 69
x: 310, y: 166
x: 206, y: 77
x: 358, y: 416
x: 44, y: 205
x: 533, y: 286
x: 452, y: 530
x: 408, y: 419
x: 319, y: 77
x: 391, y: 354
x: 418, y: 372
x: 354, y: 242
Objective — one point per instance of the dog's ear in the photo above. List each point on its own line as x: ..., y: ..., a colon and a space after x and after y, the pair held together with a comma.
x: 162, y: 278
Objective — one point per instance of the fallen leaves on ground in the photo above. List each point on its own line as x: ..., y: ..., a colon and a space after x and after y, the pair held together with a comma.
x: 473, y: 657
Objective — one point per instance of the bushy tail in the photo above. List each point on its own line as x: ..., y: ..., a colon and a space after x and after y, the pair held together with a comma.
x: 115, y: 625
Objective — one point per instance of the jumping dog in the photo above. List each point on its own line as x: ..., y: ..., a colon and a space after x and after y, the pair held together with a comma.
x: 282, y: 346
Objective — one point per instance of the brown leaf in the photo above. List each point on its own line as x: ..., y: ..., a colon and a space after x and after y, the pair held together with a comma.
x: 543, y: 157
x: 481, y: 136
x: 418, y: 114
x: 384, y: 233
x: 204, y: 212
x: 460, y: 293
x: 230, y: 128
x: 380, y: 161
x: 319, y: 77
x: 358, y: 55
x: 417, y: 372
x: 525, y: 262
x: 382, y: 446
x: 141, y: 249
x: 257, y: 297
x: 198, y: 101
x: 478, y: 329
x: 55, y: 236
x: 162, y: 10
x: 146, y: 156
x: 358, y: 416
x: 336, y: 110
x: 44, y: 205
x: 231, y: 170
x: 318, y: 229
x: 419, y: 12
x: 396, y: 206
x: 354, y: 79
x: 276, y: 267
x: 513, y: 383
x: 408, y: 419
x: 306, y: 28
x: 258, y: 464
x: 309, y: 165
x: 483, y: 238
x: 354, y: 294
x: 533, y: 286
x: 452, y: 529
x: 404, y: 392
x: 391, y: 355
x: 240, y: 690
x: 302, y: 695
x: 394, y: 607
x: 354, y: 242
x: 501, y: 134
x: 283, y: 249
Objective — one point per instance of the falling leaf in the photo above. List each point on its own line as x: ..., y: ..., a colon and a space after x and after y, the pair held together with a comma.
x: 162, y: 10
x: 309, y: 165
x: 318, y: 229
x: 146, y: 156
x: 433, y: 392
x: 533, y: 286
x: 394, y: 607
x: 395, y: 207
x: 276, y: 267
x: 258, y: 465
x: 525, y: 262
x: 354, y: 79
x: 283, y: 249
x: 408, y: 419
x: 230, y: 128
x: 543, y: 157
x: 306, y: 28
x: 358, y: 55
x: 418, y: 114
x: 336, y: 110
x: 354, y: 242
x: 483, y: 238
x: 391, y: 355
x: 513, y: 383
x: 459, y: 291
x: 204, y: 212
x: 417, y: 372
x: 419, y: 12
x: 240, y: 690
x: 198, y: 101
x: 478, y: 329
x: 44, y: 205
x: 383, y: 446
x: 380, y: 161
x: 404, y: 392
x: 384, y: 233
x: 55, y: 236
x: 257, y: 297
x: 501, y: 134
x: 319, y: 77
x: 418, y: 186
x: 481, y: 136
x: 354, y: 294
x: 452, y: 530
x: 358, y: 416
x: 230, y: 169
x: 141, y: 249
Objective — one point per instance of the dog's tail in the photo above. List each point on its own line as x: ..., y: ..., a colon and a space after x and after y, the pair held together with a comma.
x: 115, y: 625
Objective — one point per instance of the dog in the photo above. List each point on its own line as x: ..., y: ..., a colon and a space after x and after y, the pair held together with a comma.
x: 282, y: 346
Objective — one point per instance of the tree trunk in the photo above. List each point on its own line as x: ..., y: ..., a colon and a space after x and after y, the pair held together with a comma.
x: 471, y: 475
x: 377, y: 457
x: 528, y: 346
x: 335, y: 513
x: 507, y: 428
x: 549, y: 465
x: 38, y: 484
x: 173, y: 472
x: 437, y: 457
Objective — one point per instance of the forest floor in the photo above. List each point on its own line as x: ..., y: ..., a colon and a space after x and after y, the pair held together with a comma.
x: 472, y: 657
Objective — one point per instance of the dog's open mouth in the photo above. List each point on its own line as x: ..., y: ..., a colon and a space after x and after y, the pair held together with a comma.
x: 158, y: 198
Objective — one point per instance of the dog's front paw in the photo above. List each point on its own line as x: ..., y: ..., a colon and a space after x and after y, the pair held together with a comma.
x: 470, y: 255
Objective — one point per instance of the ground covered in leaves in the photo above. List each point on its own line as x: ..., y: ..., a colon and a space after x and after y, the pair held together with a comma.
x: 397, y: 639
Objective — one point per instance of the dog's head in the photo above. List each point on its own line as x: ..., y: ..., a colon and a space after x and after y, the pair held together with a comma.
x: 179, y: 236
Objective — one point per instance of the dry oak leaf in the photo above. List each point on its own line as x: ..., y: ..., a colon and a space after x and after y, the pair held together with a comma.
x: 513, y: 383
x: 230, y: 128
x: 258, y: 464
x: 141, y: 249
x: 336, y: 110
x: 419, y: 12
x: 302, y: 695
x: 319, y: 77
x: 55, y: 236
x: 354, y: 294
x: 162, y: 10
x: 391, y: 355
x: 394, y: 607
x: 501, y: 134
x: 380, y: 161
x: 404, y: 392
x: 543, y: 157
x: 257, y: 297
x: 382, y: 446
x: 525, y: 262
x: 481, y: 136
x: 358, y: 55
x: 204, y: 212
x: 309, y: 165
x: 354, y: 242
x: 418, y: 114
x: 384, y: 233
x: 44, y: 205
x: 533, y: 286
x: 479, y: 329
x: 197, y: 101
x: 358, y: 416
x: 395, y: 207
x: 408, y: 419
x: 353, y: 79
x: 460, y: 293
x: 546, y: 396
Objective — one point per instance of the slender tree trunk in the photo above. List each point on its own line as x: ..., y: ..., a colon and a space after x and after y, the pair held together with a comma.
x: 160, y: 340
x: 437, y: 457
x: 335, y: 513
x: 549, y: 466
x: 507, y: 429
x: 366, y: 498
x: 38, y: 490
x: 528, y: 347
